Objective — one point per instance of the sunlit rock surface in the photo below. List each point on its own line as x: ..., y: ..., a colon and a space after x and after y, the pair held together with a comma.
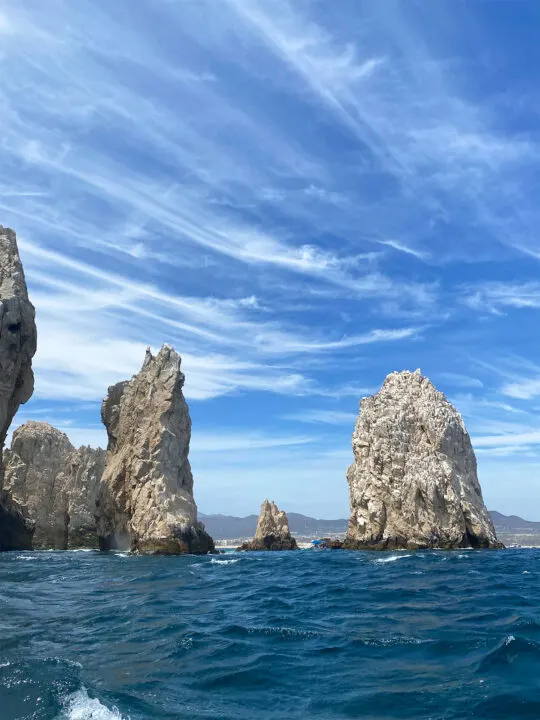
x: 146, y: 498
x: 17, y: 347
x: 272, y: 530
x: 413, y: 482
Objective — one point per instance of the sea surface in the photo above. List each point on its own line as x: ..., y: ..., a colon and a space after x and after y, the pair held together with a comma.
x: 280, y: 636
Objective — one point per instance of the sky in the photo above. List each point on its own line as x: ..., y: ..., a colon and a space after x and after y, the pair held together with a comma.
x: 300, y: 197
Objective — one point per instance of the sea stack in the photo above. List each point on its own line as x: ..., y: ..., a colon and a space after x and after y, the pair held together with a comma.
x: 272, y: 530
x: 18, y: 339
x: 145, y: 502
x: 413, y: 483
x: 57, y: 485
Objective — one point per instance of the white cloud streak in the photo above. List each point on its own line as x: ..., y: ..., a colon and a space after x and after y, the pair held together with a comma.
x: 321, y: 416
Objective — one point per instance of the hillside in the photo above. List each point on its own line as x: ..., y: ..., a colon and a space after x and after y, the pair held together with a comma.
x: 510, y: 528
x: 227, y: 527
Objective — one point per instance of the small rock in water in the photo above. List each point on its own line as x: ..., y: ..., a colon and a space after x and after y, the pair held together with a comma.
x: 272, y: 530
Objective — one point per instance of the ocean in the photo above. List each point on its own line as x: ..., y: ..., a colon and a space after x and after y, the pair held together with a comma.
x: 270, y: 636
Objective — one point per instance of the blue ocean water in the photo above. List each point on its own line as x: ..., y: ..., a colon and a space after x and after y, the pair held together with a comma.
x: 280, y: 636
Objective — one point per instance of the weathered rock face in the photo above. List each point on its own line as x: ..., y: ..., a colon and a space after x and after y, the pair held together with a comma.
x: 413, y: 483
x: 146, y: 498
x: 272, y: 530
x: 17, y: 348
x: 85, y: 470
x: 56, y: 484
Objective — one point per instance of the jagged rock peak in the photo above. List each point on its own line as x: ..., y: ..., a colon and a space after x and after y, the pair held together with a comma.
x: 272, y: 530
x: 56, y: 484
x: 18, y: 335
x: 17, y: 347
x: 146, y: 497
x: 413, y: 482
x: 12, y: 280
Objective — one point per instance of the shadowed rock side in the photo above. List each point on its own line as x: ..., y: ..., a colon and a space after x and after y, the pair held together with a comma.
x: 272, y: 530
x: 146, y: 498
x: 56, y: 484
x: 85, y: 470
x: 413, y: 483
x: 17, y: 348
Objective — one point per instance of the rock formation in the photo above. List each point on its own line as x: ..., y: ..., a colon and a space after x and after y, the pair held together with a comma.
x: 146, y: 498
x: 57, y: 485
x: 272, y: 530
x: 85, y: 470
x: 17, y: 348
x: 413, y: 483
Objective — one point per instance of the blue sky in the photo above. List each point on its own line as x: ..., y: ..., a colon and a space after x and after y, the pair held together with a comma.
x: 300, y: 197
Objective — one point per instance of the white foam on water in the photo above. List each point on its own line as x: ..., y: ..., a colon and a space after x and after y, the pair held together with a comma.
x: 79, y: 706
x: 27, y: 557
x: 392, y: 558
x: 224, y: 562
x: 83, y: 550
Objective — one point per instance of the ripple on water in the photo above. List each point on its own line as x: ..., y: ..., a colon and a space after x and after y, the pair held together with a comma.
x: 280, y: 636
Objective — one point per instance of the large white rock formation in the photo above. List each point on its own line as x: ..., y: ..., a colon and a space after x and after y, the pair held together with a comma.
x: 272, y: 530
x: 17, y: 347
x: 413, y: 483
x: 146, y: 498
x: 56, y: 484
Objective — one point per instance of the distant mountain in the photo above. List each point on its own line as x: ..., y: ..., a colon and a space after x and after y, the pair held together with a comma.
x: 513, y: 523
x: 228, y: 527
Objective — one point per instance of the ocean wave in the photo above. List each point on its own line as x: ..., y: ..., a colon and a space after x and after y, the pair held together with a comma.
x: 286, y: 633
x: 397, y: 640
x: 27, y: 557
x: 512, y: 650
x: 167, y: 638
x: 83, y: 550
x: 392, y: 558
x: 80, y: 706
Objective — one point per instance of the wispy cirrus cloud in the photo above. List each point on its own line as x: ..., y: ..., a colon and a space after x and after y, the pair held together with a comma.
x: 499, y: 297
x: 509, y: 440
x: 300, y: 197
x: 401, y: 247
x: 228, y: 345
x: 321, y: 416
x: 458, y: 380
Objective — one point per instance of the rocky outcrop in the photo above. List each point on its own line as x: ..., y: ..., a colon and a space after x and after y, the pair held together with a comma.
x: 56, y: 484
x: 272, y: 530
x: 17, y: 348
x: 146, y: 498
x: 85, y: 470
x: 413, y: 483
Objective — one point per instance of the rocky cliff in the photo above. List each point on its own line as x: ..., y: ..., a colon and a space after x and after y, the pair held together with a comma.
x: 272, y: 530
x: 85, y: 470
x: 146, y: 497
x: 17, y: 347
x: 57, y: 485
x: 413, y: 483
